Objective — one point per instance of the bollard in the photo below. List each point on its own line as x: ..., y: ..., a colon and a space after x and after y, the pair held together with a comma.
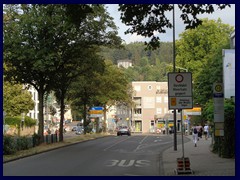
x: 183, y: 166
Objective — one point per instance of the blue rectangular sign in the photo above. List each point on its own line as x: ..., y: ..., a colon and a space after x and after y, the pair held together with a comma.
x: 96, y: 108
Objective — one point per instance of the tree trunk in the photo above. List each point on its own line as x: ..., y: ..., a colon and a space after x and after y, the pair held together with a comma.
x: 85, y: 117
x: 40, y: 115
x: 62, y: 117
x: 105, y: 119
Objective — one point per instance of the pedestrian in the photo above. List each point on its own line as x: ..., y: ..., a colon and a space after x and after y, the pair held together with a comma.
x: 205, y: 129
x: 195, y: 136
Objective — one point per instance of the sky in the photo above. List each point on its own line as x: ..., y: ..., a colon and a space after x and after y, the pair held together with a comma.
x: 227, y: 16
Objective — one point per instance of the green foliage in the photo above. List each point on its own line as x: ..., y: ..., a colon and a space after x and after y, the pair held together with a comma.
x: 13, y: 144
x: 147, y: 65
x: 23, y: 143
x: 228, y: 150
x: 47, y: 46
x: 16, y: 121
x: 9, y: 146
x: 224, y: 146
x: 200, y: 51
x: 147, y: 19
x: 16, y: 100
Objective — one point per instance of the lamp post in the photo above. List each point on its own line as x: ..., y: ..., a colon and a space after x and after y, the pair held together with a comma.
x: 23, y: 118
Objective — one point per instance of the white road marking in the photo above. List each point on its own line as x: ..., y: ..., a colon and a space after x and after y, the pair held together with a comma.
x: 128, y: 163
x: 115, y: 144
x: 143, y: 140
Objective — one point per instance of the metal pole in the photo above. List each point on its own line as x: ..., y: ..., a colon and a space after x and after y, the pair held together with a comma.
x: 182, y: 134
x: 174, y: 69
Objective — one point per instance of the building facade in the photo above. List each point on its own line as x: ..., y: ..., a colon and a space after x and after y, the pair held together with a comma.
x: 150, y: 111
x: 126, y: 63
x: 34, y: 113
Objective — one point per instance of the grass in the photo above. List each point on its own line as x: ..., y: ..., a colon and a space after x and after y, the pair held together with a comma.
x: 46, y: 147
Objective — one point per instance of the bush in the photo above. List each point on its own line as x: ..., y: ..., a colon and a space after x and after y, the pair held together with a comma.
x: 9, y: 146
x: 23, y: 143
x: 29, y: 122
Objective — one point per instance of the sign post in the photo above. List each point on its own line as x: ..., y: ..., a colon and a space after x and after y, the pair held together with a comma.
x: 96, y: 112
x: 180, y: 90
x: 218, y: 99
x: 180, y: 97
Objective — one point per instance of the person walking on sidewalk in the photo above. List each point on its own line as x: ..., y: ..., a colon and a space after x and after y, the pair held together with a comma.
x: 205, y: 129
x: 195, y: 136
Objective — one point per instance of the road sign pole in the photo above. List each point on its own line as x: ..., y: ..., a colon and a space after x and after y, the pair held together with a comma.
x: 174, y: 69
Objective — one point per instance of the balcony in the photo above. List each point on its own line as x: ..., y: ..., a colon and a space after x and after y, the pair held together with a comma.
x: 137, y: 116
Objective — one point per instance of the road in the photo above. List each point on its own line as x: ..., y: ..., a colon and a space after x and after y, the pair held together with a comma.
x: 136, y: 155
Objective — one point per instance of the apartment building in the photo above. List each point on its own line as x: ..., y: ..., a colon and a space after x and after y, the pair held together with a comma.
x: 126, y: 63
x: 151, y: 107
x: 34, y: 112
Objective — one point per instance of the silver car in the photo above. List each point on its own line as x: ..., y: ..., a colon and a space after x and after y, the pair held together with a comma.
x: 123, y: 130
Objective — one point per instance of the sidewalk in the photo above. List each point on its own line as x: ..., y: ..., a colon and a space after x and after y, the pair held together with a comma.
x: 202, y: 161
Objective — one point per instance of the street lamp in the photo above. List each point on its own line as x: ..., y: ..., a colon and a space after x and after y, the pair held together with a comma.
x: 22, y: 122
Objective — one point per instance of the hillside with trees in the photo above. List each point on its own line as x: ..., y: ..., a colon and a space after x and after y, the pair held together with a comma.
x: 148, y: 65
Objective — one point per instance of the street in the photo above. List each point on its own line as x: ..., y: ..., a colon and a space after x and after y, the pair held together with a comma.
x: 136, y: 155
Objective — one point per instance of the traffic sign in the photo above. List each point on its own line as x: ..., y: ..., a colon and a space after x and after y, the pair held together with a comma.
x: 95, y: 111
x: 96, y: 108
x: 180, y: 90
x: 96, y: 115
x: 218, y: 90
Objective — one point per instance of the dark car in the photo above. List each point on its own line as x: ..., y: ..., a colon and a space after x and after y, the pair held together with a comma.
x: 123, y: 130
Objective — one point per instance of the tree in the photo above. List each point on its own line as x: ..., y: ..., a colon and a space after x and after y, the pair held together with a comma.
x: 16, y: 100
x: 113, y: 88
x: 147, y: 19
x: 41, y: 41
x: 228, y: 145
x: 100, y: 89
x: 200, y: 51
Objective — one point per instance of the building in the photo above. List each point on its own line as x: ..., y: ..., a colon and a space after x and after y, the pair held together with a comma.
x: 34, y: 113
x: 229, y: 69
x: 126, y: 63
x: 150, y: 112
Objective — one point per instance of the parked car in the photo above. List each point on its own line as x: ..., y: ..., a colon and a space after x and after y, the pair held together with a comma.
x: 123, y: 130
x: 79, y: 130
x: 74, y: 128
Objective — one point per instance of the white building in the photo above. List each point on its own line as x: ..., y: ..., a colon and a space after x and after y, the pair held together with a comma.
x: 34, y: 113
x: 126, y: 63
x: 229, y: 69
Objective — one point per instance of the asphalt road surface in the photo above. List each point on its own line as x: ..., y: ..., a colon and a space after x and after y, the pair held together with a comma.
x: 136, y: 155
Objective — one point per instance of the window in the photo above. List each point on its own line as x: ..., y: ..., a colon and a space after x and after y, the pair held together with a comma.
x: 137, y: 88
x: 149, y: 87
x: 165, y: 110
x: 166, y: 99
x: 137, y: 111
x: 158, y: 99
x: 159, y: 111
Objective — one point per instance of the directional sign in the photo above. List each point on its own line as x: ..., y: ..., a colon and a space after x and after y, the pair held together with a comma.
x: 96, y: 115
x: 180, y: 90
x: 96, y: 108
x: 95, y: 111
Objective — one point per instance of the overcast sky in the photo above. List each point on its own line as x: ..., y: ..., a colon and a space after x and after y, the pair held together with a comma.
x: 227, y: 16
